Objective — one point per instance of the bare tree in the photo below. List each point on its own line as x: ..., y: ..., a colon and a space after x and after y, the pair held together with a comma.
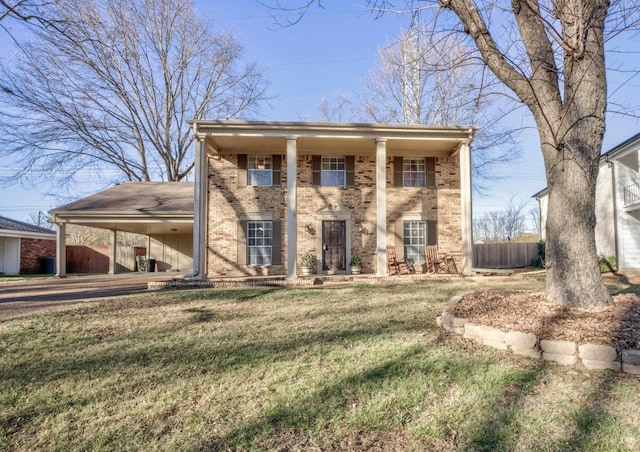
x: 36, y: 12
x: 504, y: 225
x: 41, y: 220
x: 551, y: 55
x: 87, y: 236
x: 111, y: 94
x: 432, y: 78
x: 340, y: 108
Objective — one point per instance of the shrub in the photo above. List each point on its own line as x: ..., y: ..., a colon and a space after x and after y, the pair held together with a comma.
x: 308, y: 260
x: 539, y: 260
x: 607, y: 264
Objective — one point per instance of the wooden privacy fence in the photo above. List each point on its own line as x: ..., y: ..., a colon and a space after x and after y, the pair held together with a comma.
x: 504, y: 255
x: 95, y: 259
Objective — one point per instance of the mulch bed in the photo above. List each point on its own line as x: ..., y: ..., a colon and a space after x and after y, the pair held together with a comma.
x: 528, y: 312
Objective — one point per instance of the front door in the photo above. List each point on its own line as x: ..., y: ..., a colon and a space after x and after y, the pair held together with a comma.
x: 334, y: 246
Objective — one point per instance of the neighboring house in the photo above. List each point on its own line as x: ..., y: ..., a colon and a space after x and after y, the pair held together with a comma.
x: 22, y: 247
x: 617, y: 204
x: 267, y: 192
x: 163, y: 211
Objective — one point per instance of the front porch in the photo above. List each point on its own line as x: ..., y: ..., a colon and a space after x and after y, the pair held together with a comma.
x: 334, y: 280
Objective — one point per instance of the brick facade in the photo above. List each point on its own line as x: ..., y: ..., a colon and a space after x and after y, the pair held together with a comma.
x: 229, y: 203
x: 31, y: 253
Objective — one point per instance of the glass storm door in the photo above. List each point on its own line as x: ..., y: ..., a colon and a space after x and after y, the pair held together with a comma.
x: 334, y: 245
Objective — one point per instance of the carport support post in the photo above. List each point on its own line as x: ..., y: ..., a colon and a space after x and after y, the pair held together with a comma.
x: 61, y: 250
x: 113, y: 251
x: 292, y: 207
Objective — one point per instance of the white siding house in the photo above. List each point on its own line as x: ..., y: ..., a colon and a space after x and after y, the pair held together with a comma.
x: 617, y: 204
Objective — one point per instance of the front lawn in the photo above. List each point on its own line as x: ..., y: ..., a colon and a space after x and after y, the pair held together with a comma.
x: 344, y: 368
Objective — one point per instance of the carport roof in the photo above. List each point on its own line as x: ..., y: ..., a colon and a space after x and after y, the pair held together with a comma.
x: 140, y: 207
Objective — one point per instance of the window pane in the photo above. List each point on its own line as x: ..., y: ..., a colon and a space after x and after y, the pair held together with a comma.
x: 259, y: 177
x: 260, y: 162
x: 333, y: 178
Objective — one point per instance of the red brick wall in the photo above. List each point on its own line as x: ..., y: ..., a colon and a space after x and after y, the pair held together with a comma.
x: 228, y: 203
x: 32, y: 250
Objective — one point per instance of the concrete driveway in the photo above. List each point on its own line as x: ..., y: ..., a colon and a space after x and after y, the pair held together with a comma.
x: 25, y: 296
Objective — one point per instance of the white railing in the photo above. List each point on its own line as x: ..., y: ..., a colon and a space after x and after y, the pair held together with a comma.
x: 632, y: 194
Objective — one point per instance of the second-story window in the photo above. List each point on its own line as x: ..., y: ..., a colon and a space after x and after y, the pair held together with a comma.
x: 259, y: 170
x: 413, y: 172
x: 334, y: 171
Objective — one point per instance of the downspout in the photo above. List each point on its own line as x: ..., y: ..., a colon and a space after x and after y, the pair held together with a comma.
x: 614, y: 195
x: 539, y: 218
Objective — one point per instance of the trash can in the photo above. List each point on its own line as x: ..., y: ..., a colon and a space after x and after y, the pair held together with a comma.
x: 48, y: 265
x: 151, y: 265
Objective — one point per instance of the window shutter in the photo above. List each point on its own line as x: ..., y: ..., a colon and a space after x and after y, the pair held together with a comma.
x: 430, y: 166
x: 242, y: 170
x: 350, y: 162
x: 277, y: 171
x: 397, y: 172
x: 399, y: 236
x: 276, y: 245
x: 316, y: 167
x: 432, y: 232
x: 242, y: 243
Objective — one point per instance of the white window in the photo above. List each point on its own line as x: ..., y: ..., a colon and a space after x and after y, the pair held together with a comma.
x: 259, y: 170
x: 259, y: 242
x: 415, y: 238
x: 334, y: 172
x: 413, y: 173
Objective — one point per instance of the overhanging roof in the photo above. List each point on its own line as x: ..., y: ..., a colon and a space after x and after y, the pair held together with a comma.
x: 140, y: 207
x: 313, y: 137
x: 19, y: 229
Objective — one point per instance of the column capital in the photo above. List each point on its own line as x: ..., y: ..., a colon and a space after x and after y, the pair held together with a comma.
x: 292, y: 138
x: 381, y: 140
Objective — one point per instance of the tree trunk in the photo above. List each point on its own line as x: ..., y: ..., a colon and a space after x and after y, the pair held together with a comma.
x: 573, y: 273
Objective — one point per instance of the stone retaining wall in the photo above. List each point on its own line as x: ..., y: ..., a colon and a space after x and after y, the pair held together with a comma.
x: 566, y: 353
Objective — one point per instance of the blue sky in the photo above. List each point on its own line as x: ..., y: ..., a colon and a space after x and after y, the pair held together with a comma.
x: 331, y: 50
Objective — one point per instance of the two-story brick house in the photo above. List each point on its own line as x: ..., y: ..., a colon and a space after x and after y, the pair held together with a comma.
x: 267, y: 192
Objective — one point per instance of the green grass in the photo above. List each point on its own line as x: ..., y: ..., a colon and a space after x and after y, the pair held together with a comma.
x: 347, y: 368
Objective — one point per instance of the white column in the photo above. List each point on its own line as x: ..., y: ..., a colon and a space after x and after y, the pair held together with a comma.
x: 292, y: 206
x: 113, y: 251
x: 61, y: 250
x: 466, y: 208
x: 200, y: 211
x: 381, y: 207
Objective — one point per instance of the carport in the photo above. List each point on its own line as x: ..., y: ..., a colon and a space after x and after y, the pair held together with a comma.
x: 162, y: 211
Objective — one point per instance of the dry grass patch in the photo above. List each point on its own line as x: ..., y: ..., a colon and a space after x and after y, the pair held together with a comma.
x: 355, y: 367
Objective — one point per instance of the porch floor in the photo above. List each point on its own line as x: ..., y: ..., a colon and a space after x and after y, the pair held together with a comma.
x: 329, y: 280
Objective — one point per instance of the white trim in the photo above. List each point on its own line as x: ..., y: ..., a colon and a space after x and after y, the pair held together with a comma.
x: 381, y: 207
x: 61, y: 251
x: 466, y: 208
x: 200, y: 211
x: 292, y: 206
x: 27, y: 235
